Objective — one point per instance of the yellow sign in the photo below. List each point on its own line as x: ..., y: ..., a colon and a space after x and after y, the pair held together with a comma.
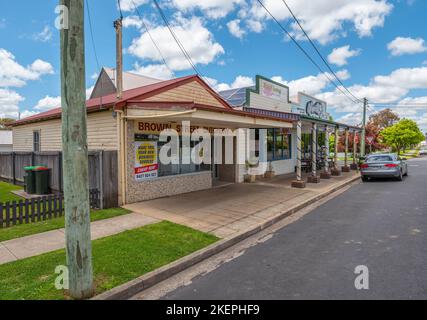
x: 146, y: 165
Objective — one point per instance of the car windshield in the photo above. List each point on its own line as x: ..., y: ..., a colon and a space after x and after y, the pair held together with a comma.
x: 381, y: 158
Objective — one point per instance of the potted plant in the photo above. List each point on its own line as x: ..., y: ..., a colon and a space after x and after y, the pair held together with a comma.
x: 270, y: 172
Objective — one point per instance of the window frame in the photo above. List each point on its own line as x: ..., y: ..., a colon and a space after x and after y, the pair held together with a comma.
x: 38, y: 142
x: 275, y: 133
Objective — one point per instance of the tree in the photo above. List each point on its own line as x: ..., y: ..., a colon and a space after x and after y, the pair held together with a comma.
x: 4, y: 122
x: 402, y: 135
x: 384, y: 119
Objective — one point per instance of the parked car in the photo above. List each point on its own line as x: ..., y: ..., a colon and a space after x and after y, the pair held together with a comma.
x: 387, y: 165
x: 423, y: 152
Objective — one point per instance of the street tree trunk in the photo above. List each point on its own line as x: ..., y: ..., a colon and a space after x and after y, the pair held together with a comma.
x: 75, y: 153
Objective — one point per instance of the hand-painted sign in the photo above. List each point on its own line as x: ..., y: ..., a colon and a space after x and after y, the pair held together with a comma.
x: 313, y: 107
x: 274, y: 91
x: 146, y: 165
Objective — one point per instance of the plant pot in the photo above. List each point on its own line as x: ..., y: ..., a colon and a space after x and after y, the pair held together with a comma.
x: 250, y: 178
x: 269, y: 174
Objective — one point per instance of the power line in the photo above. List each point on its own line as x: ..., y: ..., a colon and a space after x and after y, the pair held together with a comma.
x: 182, y: 48
x: 120, y: 9
x: 305, y: 52
x: 318, y: 52
x: 94, y: 47
x: 91, y: 34
x: 151, y: 37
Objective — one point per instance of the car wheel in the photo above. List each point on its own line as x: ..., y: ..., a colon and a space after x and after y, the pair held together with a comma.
x: 400, y: 177
x: 365, y: 179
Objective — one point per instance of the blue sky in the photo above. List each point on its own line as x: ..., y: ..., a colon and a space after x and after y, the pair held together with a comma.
x: 379, y: 46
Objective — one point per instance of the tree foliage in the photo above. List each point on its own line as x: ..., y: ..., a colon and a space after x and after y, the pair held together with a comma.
x: 384, y: 119
x: 4, y: 122
x: 403, y: 134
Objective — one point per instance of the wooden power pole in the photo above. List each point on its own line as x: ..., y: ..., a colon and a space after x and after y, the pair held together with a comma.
x: 75, y: 153
x: 363, y: 138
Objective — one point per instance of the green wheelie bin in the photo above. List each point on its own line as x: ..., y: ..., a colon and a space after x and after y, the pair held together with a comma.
x: 29, y: 180
x: 41, y: 175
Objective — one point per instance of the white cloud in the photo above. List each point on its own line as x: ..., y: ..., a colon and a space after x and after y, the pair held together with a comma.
x: 196, y: 39
x: 45, y: 35
x: 48, y: 103
x: 12, y: 74
x: 27, y: 113
x: 381, y: 89
x: 324, y: 19
x: 158, y: 71
x: 89, y: 91
x: 408, y: 78
x: 255, y: 26
x: 132, y: 21
x: 9, y: 103
x: 212, y: 8
x: 339, y: 56
x: 128, y: 5
x: 235, y: 29
x: 401, y: 46
x: 351, y: 118
x: 239, y: 82
x: 311, y: 84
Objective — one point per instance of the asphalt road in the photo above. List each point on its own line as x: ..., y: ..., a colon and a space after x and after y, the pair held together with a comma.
x: 381, y: 225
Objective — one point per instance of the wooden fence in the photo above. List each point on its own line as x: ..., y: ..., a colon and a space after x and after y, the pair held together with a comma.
x: 38, y: 209
x: 103, y: 171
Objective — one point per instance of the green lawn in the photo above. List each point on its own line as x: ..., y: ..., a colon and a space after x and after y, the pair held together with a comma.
x: 116, y: 260
x: 6, y: 194
x: 23, y: 230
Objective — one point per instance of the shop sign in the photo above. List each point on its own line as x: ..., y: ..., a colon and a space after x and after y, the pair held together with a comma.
x: 273, y: 91
x: 146, y: 165
x: 157, y: 128
x: 313, y: 107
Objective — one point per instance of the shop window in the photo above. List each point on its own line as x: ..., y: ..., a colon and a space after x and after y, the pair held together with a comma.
x: 173, y: 169
x: 36, y: 141
x: 279, y: 144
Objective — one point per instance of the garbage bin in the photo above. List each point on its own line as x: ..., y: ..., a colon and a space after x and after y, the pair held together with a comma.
x: 30, y: 186
x: 41, y: 175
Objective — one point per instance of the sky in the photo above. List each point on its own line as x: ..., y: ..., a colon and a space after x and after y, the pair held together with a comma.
x: 377, y: 48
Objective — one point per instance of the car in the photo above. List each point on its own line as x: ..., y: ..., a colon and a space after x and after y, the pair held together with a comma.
x: 423, y: 152
x: 386, y: 165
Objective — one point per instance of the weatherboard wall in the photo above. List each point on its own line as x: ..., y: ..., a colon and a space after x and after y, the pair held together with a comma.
x: 101, y: 130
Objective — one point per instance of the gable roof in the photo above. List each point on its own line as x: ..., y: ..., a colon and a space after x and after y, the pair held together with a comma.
x: 111, y: 101
x: 106, y: 82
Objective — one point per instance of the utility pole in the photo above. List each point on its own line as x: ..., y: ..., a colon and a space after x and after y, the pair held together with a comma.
x: 363, y: 138
x: 119, y: 57
x: 75, y: 153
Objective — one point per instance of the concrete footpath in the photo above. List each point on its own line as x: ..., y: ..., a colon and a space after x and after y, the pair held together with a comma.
x: 229, y: 210
x: 40, y: 243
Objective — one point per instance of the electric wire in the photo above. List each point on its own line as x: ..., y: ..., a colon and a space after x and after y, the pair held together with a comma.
x: 306, y: 53
x: 318, y: 52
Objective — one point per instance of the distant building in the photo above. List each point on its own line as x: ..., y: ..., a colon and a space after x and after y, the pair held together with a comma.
x: 106, y: 83
x: 6, y: 141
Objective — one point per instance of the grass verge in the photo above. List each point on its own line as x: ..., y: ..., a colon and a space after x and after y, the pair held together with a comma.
x: 116, y: 260
x: 6, y: 192
x: 24, y: 230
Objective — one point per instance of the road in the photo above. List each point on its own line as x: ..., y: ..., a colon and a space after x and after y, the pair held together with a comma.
x: 381, y: 225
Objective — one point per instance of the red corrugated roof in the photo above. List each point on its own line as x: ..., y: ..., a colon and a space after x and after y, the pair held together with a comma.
x: 111, y: 99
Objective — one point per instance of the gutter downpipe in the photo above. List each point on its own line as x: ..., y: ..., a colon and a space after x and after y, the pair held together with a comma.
x: 121, y: 125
